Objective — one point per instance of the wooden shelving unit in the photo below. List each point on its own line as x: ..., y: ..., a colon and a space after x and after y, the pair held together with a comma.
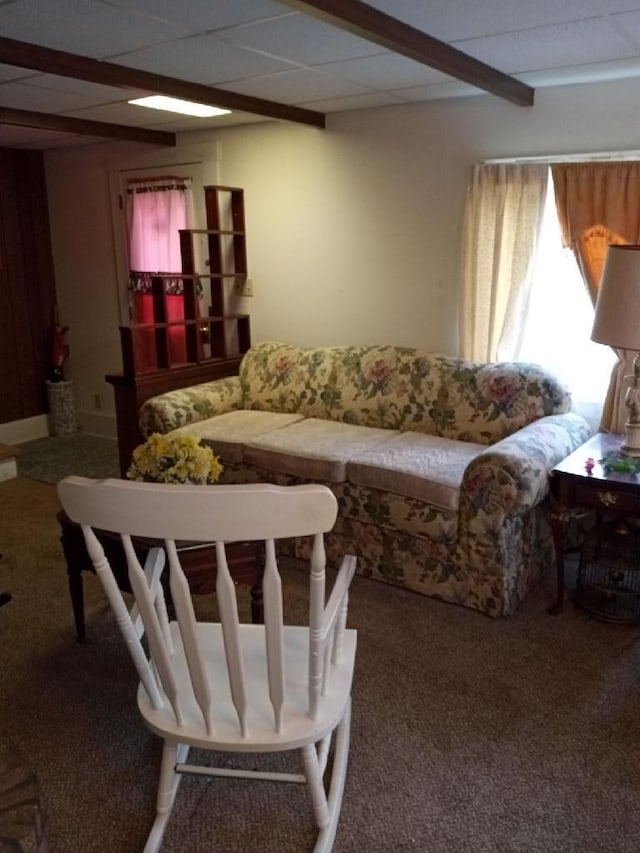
x: 166, y: 343
x: 225, y: 331
x: 201, y: 344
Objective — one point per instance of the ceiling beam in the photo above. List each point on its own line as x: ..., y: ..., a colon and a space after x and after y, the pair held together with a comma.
x: 83, y: 127
x: 50, y: 61
x: 362, y: 20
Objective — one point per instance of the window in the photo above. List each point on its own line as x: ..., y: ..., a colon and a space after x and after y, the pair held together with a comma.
x: 557, y: 326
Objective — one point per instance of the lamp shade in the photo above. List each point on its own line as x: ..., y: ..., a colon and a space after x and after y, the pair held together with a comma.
x: 617, y: 315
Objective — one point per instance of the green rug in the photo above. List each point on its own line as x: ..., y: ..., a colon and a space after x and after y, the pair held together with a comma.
x: 52, y: 459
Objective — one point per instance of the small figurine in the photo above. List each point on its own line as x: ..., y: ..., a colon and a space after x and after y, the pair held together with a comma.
x: 589, y: 465
x: 59, y: 351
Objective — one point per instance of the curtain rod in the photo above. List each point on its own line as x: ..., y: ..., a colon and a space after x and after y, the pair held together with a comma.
x: 569, y: 158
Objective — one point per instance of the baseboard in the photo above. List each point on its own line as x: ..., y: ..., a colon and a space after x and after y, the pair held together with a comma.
x: 8, y: 467
x: 19, y: 432
x: 94, y: 423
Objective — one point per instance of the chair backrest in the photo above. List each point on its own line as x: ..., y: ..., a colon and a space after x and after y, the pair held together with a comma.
x: 176, y: 513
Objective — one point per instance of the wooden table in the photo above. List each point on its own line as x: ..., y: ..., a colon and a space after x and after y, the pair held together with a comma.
x: 573, y: 487
x: 245, y: 559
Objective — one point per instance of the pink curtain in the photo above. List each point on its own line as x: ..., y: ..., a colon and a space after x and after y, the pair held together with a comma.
x: 156, y: 212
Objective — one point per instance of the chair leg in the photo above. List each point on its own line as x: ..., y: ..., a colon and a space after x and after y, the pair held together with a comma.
x: 5, y: 597
x: 172, y: 754
x: 327, y: 834
x: 315, y: 784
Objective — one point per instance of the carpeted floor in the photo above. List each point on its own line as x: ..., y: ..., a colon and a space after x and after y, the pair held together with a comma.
x: 469, y: 735
x: 53, y: 458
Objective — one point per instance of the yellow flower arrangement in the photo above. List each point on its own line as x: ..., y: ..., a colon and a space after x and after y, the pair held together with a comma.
x: 174, y: 459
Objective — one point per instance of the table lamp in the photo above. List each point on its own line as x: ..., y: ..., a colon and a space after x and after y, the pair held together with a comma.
x: 617, y: 323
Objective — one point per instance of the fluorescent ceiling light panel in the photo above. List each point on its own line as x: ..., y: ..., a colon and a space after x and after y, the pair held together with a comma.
x: 175, y: 105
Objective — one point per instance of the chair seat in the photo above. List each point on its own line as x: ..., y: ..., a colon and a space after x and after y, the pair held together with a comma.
x: 297, y: 730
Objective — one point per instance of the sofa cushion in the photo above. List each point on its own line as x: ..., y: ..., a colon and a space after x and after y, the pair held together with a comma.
x: 411, y: 464
x: 226, y: 434
x: 313, y: 449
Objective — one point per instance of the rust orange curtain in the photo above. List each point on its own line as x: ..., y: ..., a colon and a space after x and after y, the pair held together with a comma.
x: 599, y: 205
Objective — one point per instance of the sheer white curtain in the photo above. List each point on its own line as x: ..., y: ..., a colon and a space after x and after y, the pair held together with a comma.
x: 502, y: 219
x: 556, y: 327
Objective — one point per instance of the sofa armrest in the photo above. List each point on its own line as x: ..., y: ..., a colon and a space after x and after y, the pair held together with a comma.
x: 509, y: 479
x: 514, y: 473
x: 186, y: 406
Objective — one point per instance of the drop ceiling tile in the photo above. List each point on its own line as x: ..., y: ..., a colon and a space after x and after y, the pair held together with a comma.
x: 384, y: 71
x: 451, y: 20
x: 205, y: 15
x: 620, y: 69
x: 23, y: 97
x: 214, y: 123
x: 550, y: 47
x: 121, y: 113
x: 36, y: 139
x: 439, y: 91
x: 10, y: 72
x: 94, y: 92
x: 165, y: 121
x: 85, y: 27
x: 203, y: 59
x: 302, y: 39
x: 356, y: 102
x: 128, y: 114
x: 296, y: 86
x: 627, y: 24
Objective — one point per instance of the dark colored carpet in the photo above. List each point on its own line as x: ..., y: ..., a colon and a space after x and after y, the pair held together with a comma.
x: 510, y: 736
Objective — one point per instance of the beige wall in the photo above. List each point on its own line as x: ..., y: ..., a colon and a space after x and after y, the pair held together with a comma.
x: 353, y: 232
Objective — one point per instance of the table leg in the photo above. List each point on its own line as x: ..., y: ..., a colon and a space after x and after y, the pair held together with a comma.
x: 5, y: 597
x: 257, y: 604
x: 557, y: 529
x: 257, y: 600
x: 73, y: 549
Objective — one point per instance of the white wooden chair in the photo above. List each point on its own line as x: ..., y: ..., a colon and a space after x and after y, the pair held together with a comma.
x: 229, y: 686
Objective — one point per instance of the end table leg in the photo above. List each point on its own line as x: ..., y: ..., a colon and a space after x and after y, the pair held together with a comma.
x: 257, y: 600
x: 76, y: 591
x: 557, y: 530
x: 257, y: 605
x: 73, y: 548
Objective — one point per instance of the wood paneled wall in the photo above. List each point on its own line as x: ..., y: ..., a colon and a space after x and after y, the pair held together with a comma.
x: 27, y: 287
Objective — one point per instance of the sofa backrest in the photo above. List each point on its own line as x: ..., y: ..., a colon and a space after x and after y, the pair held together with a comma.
x: 474, y: 401
x: 352, y: 384
x: 400, y: 388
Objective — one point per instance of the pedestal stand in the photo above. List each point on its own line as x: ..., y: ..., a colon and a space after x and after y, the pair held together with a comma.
x: 63, y: 418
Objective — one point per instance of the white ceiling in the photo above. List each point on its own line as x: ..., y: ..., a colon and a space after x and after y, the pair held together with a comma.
x: 269, y: 50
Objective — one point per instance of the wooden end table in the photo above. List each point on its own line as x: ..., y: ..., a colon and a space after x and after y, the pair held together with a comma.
x: 573, y: 487
x: 245, y: 560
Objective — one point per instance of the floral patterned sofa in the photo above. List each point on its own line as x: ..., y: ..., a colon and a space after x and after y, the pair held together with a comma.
x: 440, y: 466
